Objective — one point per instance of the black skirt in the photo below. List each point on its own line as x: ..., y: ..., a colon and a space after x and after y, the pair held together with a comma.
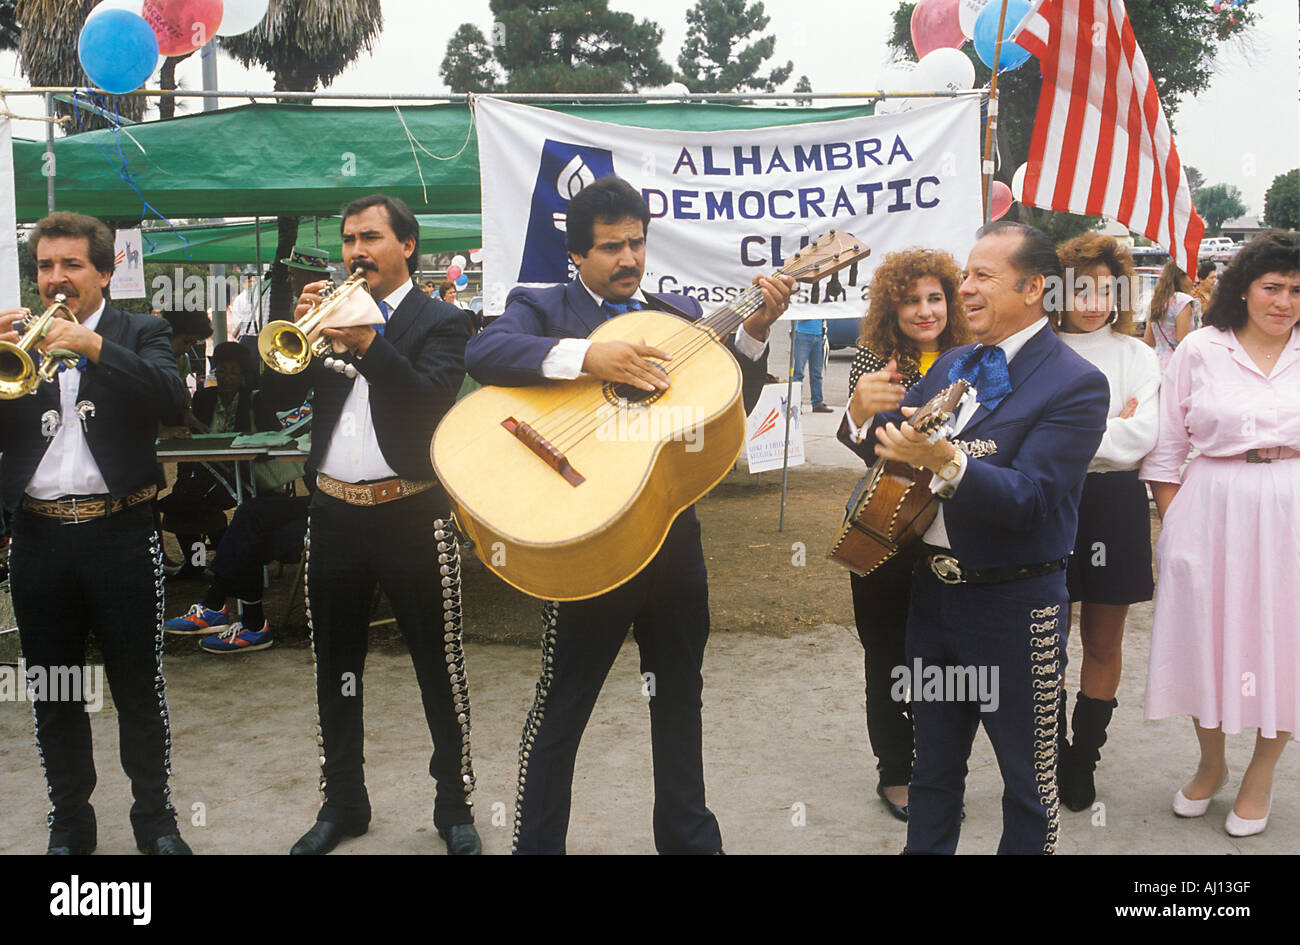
x: 1111, y: 563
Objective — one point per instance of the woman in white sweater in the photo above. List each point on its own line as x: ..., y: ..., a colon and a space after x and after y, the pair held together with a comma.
x: 1111, y: 565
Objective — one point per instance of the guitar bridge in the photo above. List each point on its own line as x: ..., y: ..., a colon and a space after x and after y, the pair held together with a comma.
x: 542, y: 447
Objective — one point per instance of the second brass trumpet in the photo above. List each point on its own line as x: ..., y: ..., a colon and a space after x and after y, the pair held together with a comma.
x: 288, y: 347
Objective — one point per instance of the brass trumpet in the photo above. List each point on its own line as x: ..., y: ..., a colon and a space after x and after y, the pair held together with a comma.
x: 287, y: 347
x: 18, y: 372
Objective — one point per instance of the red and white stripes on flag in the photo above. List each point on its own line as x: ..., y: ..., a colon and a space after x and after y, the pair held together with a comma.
x: 1101, y: 145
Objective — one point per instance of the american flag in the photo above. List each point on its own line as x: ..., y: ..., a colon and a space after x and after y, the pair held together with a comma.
x: 1101, y: 145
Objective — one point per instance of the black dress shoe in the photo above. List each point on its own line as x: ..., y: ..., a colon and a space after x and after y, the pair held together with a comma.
x: 324, y: 836
x: 170, y: 845
x: 462, y: 840
x: 70, y: 848
x: 898, y: 811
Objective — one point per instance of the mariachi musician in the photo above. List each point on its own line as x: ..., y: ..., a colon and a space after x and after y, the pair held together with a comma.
x: 379, y: 516
x: 79, y: 474
x: 540, y: 336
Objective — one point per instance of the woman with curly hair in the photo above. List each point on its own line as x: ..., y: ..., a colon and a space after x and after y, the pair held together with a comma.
x: 1225, y: 641
x: 914, y: 315
x: 1111, y: 564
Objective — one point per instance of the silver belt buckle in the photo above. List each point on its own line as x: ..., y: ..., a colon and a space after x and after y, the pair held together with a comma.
x: 945, y: 568
x: 63, y: 503
x: 1254, y: 456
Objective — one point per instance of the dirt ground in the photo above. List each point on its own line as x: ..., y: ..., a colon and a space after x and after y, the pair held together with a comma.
x: 786, y: 757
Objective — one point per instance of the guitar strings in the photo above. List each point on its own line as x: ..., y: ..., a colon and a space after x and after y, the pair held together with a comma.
x: 720, y: 323
x: 682, y: 345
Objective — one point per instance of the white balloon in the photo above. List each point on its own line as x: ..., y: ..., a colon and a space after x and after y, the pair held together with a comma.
x: 135, y: 6
x: 1018, y: 182
x: 967, y: 12
x: 897, y: 77
x: 675, y: 88
x: 240, y: 16
x: 458, y: 260
x: 944, y: 70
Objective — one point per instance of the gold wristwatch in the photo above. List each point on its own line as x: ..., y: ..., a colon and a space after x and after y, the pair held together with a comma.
x: 949, y: 472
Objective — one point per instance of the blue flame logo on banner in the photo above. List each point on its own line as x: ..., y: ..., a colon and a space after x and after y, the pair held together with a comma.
x: 564, y: 169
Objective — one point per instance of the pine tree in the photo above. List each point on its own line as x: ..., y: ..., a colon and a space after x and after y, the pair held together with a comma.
x: 716, y: 57
x: 562, y: 46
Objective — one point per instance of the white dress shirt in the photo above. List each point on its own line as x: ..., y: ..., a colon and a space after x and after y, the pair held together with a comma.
x: 564, y: 361
x: 353, y: 454
x: 937, y: 533
x: 68, y: 467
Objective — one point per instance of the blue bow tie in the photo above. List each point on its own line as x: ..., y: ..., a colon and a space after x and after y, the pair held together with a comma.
x: 384, y: 311
x: 984, y: 367
x: 620, y: 308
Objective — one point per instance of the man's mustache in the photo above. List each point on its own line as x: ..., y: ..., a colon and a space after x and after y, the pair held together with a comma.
x: 627, y: 274
x: 365, y: 264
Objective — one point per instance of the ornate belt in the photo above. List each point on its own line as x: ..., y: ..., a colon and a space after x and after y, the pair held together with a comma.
x: 1269, y: 454
x: 950, y: 571
x: 371, y: 493
x: 73, y: 510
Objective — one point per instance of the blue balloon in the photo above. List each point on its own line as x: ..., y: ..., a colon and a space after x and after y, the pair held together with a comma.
x: 462, y: 281
x: 118, y: 50
x: 986, y: 34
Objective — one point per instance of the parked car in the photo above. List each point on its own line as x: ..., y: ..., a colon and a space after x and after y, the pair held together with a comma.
x: 1144, y: 286
x: 842, y: 333
x: 1213, y: 245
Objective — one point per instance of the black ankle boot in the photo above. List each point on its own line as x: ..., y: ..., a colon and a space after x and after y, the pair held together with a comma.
x: 1091, y: 716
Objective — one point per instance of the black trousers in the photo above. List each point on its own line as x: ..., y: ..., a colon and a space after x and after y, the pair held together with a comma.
x: 262, y: 530
x: 667, y: 607
x: 1012, y: 636
x: 880, y: 612
x: 349, y: 549
x: 102, y: 576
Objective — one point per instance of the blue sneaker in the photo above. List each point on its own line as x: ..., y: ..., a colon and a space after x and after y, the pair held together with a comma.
x: 199, y: 620
x: 237, y: 639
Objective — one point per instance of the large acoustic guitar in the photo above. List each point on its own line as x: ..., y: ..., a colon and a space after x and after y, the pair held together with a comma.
x: 568, y: 488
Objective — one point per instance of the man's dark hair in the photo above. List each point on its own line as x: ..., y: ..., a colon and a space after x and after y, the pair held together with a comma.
x: 102, y: 252
x: 1035, y: 256
x: 232, y: 352
x: 400, y: 218
x: 607, y: 200
x: 190, y: 322
x: 1272, y: 251
x: 1205, y: 268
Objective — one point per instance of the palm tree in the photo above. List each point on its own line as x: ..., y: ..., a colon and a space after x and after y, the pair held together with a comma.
x: 304, y: 44
x: 47, y: 53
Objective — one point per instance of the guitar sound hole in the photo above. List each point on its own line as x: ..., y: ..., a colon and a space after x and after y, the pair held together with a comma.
x: 619, y: 394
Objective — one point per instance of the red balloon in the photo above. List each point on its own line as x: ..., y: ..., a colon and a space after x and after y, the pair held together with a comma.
x: 1001, y: 200
x: 182, y: 26
x: 453, y: 272
x: 936, y: 25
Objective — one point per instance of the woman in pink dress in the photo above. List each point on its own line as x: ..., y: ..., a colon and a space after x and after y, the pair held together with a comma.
x: 1225, y: 643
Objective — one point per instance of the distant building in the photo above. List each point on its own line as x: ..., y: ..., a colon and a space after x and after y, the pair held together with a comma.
x: 1242, y: 228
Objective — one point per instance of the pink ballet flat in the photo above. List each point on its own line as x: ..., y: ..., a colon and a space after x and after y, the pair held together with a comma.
x: 1186, y: 807
x: 1241, y: 827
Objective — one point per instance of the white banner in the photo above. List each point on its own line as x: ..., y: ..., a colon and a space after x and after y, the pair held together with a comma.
x: 128, y: 275
x: 727, y: 205
x: 10, y: 288
x: 765, y: 433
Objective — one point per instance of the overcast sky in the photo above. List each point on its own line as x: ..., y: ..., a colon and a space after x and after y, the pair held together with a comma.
x: 1243, y: 130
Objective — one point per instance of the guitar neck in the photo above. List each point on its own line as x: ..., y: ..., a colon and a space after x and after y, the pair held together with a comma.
x: 726, y: 319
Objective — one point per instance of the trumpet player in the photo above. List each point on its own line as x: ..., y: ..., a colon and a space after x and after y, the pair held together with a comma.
x: 77, y: 475
x: 379, y: 516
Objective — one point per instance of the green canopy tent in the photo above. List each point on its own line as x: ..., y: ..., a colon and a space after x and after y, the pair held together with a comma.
x: 237, y: 243
x: 308, y: 160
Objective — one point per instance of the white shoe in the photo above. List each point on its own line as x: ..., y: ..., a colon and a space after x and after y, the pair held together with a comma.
x: 1241, y: 827
x: 1186, y: 807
